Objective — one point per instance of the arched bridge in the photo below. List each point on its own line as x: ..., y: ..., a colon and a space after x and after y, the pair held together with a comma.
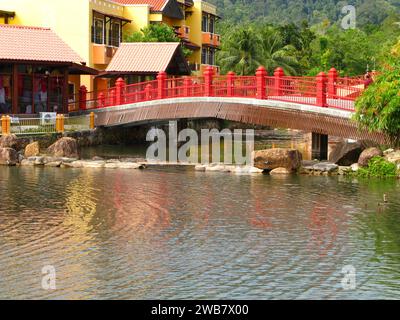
x: 322, y: 104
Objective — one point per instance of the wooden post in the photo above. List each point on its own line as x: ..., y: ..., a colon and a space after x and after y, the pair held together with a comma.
x: 261, y: 80
x: 187, y: 84
x: 82, y: 97
x: 161, y: 81
x: 278, y: 81
x: 91, y: 126
x: 119, y: 91
x: 332, y: 79
x: 321, y: 89
x: 208, y: 81
x: 230, y: 84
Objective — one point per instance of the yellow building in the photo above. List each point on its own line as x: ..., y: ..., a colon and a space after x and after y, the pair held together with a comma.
x: 95, y: 28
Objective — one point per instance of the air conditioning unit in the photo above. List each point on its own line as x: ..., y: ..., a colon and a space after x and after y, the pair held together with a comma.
x: 47, y: 118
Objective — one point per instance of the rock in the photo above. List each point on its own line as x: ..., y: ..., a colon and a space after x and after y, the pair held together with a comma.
x: 393, y: 157
x: 39, y: 161
x: 8, y: 157
x: 10, y: 141
x: 53, y: 164
x: 326, y: 167
x: 200, y: 167
x: 32, y: 149
x: 367, y: 155
x: 213, y: 167
x: 355, y: 167
x: 386, y: 152
x: 277, y: 158
x: 280, y: 171
x: 346, y: 153
x: 96, y: 158
x: 130, y: 165
x: 343, y: 170
x: 27, y: 162
x: 64, y: 147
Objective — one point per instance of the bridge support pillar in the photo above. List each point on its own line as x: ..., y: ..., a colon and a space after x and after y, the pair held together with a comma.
x: 82, y: 97
x: 321, y: 89
x: 319, y: 146
x: 161, y: 84
x: 119, y: 91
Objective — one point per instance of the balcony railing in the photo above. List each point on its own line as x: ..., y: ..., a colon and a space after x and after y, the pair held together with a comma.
x: 211, y: 39
x: 182, y: 32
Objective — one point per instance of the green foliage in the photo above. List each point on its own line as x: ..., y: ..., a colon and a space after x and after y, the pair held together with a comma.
x: 378, y: 109
x: 305, y: 37
x: 159, y: 32
x: 378, y: 167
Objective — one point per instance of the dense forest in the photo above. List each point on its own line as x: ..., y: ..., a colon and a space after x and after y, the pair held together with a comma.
x: 306, y: 36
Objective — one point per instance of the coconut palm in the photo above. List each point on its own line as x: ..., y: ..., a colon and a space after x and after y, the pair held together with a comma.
x: 240, y: 52
x: 275, y: 53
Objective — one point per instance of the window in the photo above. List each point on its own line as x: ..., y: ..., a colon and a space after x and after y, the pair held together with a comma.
x: 211, y: 57
x: 204, y: 24
x: 204, y: 56
x: 5, y: 88
x: 115, y: 33
x: 211, y: 25
x: 98, y: 30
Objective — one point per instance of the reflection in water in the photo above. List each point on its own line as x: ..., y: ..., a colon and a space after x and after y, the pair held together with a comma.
x: 177, y: 234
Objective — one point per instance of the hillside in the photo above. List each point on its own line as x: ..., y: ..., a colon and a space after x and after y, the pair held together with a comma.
x: 314, y: 11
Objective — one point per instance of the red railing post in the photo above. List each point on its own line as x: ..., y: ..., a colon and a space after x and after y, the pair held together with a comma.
x: 278, y: 81
x: 101, y: 100
x: 332, y: 79
x: 82, y: 97
x: 187, y: 84
x: 230, y: 83
x: 119, y: 91
x: 321, y: 89
x: 113, y: 99
x: 162, y: 81
x: 147, y: 92
x: 208, y: 81
x: 261, y: 84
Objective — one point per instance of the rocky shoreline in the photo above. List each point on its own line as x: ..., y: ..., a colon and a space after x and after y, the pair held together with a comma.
x: 64, y: 153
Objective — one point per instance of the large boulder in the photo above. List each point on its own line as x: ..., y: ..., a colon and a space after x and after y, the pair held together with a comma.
x: 10, y: 141
x: 393, y: 156
x: 367, y: 155
x: 8, y: 156
x: 346, y: 153
x: 32, y: 150
x: 64, y: 147
x: 271, y: 159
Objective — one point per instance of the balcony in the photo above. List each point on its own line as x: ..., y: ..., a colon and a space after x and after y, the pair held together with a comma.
x: 102, y: 53
x: 211, y: 39
x: 204, y: 66
x: 182, y: 32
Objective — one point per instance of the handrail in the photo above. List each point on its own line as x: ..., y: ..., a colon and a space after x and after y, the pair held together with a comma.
x: 325, y: 90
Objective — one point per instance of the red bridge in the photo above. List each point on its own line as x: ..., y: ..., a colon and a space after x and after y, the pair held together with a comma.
x: 323, y: 104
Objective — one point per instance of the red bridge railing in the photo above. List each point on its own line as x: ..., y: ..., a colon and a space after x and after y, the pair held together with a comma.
x: 324, y: 90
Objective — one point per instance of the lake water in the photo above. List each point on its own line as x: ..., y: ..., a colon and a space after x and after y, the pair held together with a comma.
x: 179, y: 234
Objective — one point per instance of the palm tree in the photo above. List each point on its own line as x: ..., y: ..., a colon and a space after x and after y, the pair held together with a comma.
x: 240, y: 52
x: 275, y: 53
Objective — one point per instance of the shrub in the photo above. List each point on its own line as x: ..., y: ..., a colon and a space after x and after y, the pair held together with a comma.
x: 378, y: 167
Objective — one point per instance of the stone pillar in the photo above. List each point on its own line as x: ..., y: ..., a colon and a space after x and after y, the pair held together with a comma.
x: 261, y: 74
x: 321, y: 89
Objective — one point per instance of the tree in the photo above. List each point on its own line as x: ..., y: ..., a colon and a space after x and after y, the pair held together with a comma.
x: 240, y: 52
x: 276, y: 53
x: 378, y: 109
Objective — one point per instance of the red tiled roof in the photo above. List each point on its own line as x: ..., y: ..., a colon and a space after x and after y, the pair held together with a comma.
x: 156, y: 5
x: 34, y: 44
x: 145, y: 57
